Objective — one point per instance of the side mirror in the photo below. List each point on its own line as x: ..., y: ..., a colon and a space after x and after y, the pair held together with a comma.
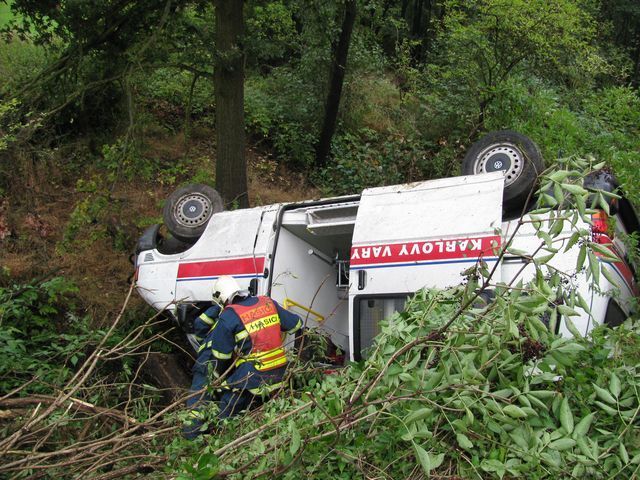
x: 253, y: 287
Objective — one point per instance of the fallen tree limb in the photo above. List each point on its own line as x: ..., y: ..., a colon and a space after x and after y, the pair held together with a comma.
x: 13, y: 403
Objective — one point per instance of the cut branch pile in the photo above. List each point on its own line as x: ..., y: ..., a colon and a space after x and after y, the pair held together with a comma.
x: 68, y: 433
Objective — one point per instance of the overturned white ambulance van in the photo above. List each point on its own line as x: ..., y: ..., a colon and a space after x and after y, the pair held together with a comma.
x: 344, y: 264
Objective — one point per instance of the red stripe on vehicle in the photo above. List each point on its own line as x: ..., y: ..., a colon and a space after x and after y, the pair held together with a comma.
x: 215, y: 268
x: 428, y: 250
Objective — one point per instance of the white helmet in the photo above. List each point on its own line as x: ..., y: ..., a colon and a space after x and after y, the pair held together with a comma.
x: 224, y: 289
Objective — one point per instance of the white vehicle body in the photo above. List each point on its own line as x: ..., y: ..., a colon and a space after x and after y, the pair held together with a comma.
x: 343, y: 264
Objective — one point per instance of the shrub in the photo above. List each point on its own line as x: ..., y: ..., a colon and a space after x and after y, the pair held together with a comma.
x: 40, y: 334
x: 283, y: 110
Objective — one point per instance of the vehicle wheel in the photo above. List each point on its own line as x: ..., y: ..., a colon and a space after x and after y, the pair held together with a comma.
x: 513, y: 153
x: 188, y: 209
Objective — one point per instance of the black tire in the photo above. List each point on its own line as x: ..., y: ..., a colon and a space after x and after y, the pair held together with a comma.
x: 188, y: 210
x: 513, y: 153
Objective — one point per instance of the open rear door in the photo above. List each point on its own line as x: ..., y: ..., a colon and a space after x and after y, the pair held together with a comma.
x: 418, y: 235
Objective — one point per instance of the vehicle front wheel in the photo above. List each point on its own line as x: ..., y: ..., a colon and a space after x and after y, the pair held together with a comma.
x: 188, y: 210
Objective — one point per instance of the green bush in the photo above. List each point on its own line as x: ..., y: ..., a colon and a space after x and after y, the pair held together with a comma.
x: 370, y: 159
x: 497, y: 396
x: 40, y: 335
x: 165, y: 94
x: 18, y: 62
x: 283, y: 111
x: 605, y: 124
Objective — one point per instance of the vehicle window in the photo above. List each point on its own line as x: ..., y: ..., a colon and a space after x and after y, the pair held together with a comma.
x: 369, y: 311
x: 615, y: 315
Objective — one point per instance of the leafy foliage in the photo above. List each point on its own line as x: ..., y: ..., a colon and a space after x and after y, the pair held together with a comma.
x: 484, y: 401
x: 40, y: 337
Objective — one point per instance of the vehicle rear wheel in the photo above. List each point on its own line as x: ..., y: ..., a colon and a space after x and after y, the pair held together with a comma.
x: 512, y: 153
x: 188, y: 210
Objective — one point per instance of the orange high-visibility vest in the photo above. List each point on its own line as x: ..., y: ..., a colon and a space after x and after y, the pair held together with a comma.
x: 262, y: 324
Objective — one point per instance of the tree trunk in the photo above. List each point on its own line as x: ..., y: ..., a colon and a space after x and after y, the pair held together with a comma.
x: 231, y: 164
x: 417, y: 18
x: 635, y: 78
x: 403, y: 9
x: 337, y: 81
x: 426, y: 39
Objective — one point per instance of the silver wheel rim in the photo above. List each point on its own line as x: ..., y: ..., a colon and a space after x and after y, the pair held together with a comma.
x: 490, y: 156
x: 193, y: 210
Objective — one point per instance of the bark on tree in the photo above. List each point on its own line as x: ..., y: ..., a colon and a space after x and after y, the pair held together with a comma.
x: 635, y: 78
x: 337, y: 81
x: 231, y: 164
x: 417, y: 18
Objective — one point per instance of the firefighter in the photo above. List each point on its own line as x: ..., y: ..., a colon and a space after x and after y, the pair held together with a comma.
x: 246, y: 343
x: 203, y: 324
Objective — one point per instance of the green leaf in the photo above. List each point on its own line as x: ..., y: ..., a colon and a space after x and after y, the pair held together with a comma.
x: 493, y: 465
x: 566, y: 417
x: 295, y: 439
x: 557, y: 227
x: 434, y: 380
x: 572, y: 327
x: 570, y: 348
x: 583, y: 303
x: 543, y: 394
x: 607, y: 408
x: 610, y: 278
x: 562, y: 444
x: 548, y: 201
x: 582, y: 255
x: 414, y: 361
x: 575, y: 236
x: 614, y: 385
x: 558, y: 194
x: 594, y: 267
x: 603, y: 394
x: 544, y: 259
x: 464, y: 441
x: 624, y: 455
x: 567, y: 311
x: 411, y: 433
x: 583, y: 426
x: 559, y: 175
x: 427, y: 461
x: 436, y: 460
x: 553, y: 320
x: 514, y: 411
x: 581, y: 441
x: 418, y: 414
x: 539, y: 211
x: 607, y: 254
x: 574, y: 189
x: 546, y: 237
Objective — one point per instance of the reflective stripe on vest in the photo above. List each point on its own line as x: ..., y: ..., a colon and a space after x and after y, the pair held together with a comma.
x: 262, y: 324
